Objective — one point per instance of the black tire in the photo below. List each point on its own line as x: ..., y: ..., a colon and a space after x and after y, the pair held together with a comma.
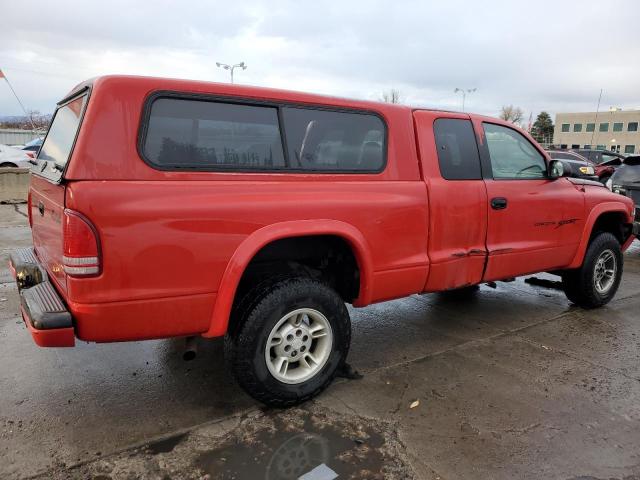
x: 579, y: 285
x: 258, y: 312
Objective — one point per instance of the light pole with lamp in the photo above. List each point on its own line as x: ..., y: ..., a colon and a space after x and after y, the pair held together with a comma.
x: 464, y: 93
x: 231, y: 68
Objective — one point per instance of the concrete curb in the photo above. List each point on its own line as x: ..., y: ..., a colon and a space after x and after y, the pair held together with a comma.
x: 14, y: 185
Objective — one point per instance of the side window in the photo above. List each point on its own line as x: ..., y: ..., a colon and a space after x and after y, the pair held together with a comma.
x: 198, y: 134
x: 512, y: 155
x: 457, y: 149
x: 323, y: 140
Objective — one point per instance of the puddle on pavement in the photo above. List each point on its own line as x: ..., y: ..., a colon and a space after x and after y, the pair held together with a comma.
x: 293, y: 445
x: 165, y: 446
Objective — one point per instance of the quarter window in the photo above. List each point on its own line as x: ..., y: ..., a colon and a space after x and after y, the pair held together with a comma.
x: 632, y: 127
x: 457, y: 149
x: 617, y: 127
x: 196, y: 134
x: 604, y: 127
x: 591, y: 127
x: 322, y: 140
x: 577, y: 127
x: 566, y: 127
x: 512, y: 155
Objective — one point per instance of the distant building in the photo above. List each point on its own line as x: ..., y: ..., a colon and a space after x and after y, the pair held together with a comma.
x: 616, y: 130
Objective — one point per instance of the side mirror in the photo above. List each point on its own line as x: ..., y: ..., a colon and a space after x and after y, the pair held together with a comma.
x: 556, y: 169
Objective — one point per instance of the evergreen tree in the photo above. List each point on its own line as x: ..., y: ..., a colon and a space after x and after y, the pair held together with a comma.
x: 542, y: 129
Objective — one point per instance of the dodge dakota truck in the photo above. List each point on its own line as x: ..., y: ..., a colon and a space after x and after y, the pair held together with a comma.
x: 172, y: 208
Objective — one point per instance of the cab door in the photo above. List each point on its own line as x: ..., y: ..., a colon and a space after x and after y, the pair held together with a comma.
x: 457, y: 196
x: 534, y: 222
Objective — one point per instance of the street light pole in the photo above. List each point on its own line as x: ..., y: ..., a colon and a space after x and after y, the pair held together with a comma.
x: 231, y: 68
x: 464, y: 93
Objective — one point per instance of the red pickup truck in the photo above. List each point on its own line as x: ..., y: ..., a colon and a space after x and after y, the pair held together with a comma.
x: 163, y: 208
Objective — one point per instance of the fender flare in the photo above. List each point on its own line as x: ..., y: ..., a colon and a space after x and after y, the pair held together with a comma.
x: 251, y: 245
x: 607, y: 207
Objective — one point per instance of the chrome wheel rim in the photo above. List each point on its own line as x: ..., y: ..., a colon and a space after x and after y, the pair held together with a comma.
x: 604, y: 272
x: 298, y: 346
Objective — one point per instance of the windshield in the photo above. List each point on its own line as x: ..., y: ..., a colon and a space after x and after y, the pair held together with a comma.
x: 62, y: 133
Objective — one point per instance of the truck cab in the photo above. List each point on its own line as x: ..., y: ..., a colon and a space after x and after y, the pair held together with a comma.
x: 171, y: 208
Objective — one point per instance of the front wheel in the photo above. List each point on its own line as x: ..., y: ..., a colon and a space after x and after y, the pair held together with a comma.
x: 290, y: 338
x: 596, y: 282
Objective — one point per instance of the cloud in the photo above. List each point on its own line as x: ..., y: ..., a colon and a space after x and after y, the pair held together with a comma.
x: 546, y: 55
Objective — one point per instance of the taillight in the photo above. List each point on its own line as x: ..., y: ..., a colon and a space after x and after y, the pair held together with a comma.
x: 81, y: 249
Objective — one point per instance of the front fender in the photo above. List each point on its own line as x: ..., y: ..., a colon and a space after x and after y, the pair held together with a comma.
x: 277, y: 231
x: 606, y: 207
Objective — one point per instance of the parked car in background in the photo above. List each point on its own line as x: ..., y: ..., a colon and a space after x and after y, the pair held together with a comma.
x: 626, y: 181
x: 13, y: 157
x: 605, y: 161
x: 33, y: 145
x: 601, y: 156
x: 575, y: 165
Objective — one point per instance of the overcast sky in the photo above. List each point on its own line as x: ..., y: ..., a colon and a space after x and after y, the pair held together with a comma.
x: 538, y: 55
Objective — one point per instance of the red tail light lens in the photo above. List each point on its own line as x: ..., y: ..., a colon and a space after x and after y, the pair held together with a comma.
x: 81, y: 248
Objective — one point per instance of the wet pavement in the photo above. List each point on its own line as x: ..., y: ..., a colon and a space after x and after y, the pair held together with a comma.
x: 510, y: 382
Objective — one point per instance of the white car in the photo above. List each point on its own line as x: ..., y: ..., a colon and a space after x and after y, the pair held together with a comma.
x: 13, y: 157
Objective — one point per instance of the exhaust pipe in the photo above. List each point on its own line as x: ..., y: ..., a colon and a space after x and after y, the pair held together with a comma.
x: 190, y: 349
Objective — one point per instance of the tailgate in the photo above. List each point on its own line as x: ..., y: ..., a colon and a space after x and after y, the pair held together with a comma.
x: 47, y: 191
x: 46, y: 211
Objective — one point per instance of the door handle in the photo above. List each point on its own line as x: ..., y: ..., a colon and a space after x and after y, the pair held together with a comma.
x: 41, y: 208
x: 499, y: 203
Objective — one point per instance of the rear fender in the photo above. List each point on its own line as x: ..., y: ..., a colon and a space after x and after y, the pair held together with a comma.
x: 607, y: 207
x: 258, y: 239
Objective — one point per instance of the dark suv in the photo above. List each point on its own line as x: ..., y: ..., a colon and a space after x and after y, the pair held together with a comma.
x: 626, y: 181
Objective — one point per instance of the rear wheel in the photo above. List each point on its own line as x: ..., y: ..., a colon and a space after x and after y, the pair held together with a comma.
x: 289, y: 339
x: 596, y: 282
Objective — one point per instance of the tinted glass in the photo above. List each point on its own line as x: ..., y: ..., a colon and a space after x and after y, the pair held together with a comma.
x: 321, y: 140
x: 457, y: 149
x: 591, y: 127
x: 617, y: 127
x: 565, y: 127
x: 562, y: 156
x: 632, y: 127
x: 629, y: 149
x: 604, y: 127
x: 577, y: 127
x: 208, y: 135
x: 512, y: 155
x: 62, y: 133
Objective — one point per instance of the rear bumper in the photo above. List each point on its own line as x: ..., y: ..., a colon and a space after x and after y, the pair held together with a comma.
x: 43, y: 311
